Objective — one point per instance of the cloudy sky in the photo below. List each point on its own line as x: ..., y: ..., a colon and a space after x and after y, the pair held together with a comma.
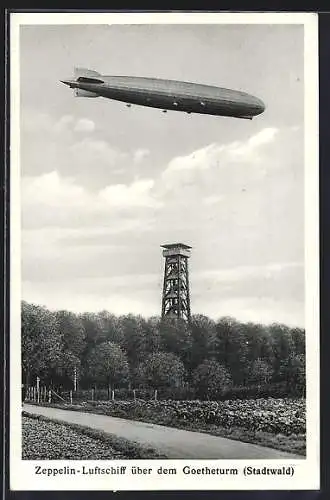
x: 103, y: 185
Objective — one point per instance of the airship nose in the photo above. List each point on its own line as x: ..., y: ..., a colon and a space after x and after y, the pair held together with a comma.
x: 260, y: 105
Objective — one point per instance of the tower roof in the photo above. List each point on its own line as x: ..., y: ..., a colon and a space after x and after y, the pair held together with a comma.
x: 175, y: 245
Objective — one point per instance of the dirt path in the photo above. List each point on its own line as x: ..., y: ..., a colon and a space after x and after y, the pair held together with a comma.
x: 174, y: 443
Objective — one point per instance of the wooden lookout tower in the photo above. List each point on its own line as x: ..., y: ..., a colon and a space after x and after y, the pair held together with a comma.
x: 176, y: 298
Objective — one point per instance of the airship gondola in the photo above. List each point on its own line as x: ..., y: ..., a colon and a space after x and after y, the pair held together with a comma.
x: 166, y: 94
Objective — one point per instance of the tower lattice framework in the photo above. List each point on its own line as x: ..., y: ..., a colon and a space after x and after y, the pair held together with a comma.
x: 176, y: 297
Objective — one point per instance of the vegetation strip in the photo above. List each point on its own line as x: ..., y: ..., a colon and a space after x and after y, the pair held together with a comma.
x: 53, y: 439
x: 202, y: 359
x: 275, y: 423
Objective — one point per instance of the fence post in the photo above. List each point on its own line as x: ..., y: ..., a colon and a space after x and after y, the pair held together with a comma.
x: 38, y: 390
x: 49, y: 396
x: 71, y: 397
x: 134, y: 394
x: 92, y: 393
x: 155, y: 394
x: 75, y: 379
x: 113, y: 394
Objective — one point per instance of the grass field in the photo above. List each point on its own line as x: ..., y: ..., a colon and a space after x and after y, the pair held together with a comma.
x: 45, y: 439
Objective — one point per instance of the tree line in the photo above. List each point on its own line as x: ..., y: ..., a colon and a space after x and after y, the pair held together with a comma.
x: 201, y: 359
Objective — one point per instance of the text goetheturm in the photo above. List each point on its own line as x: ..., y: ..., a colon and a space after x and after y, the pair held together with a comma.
x: 186, y: 470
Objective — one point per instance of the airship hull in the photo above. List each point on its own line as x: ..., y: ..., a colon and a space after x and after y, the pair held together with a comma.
x: 170, y: 95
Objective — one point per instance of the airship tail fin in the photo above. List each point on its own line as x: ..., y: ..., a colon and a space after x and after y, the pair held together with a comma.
x: 87, y: 73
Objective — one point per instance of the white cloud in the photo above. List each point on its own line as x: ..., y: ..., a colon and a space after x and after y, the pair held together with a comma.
x: 280, y: 282
x: 73, y: 297
x: 92, y: 151
x: 74, y: 145
x: 84, y: 125
x: 212, y: 199
x: 51, y: 190
x: 258, y: 310
x: 137, y: 194
x: 265, y: 136
x: 262, y: 293
x: 140, y: 154
x: 63, y: 124
x: 216, y: 171
x: 226, y: 171
x: 36, y: 122
x: 68, y: 123
x: 219, y: 155
x: 140, y: 294
x: 49, y: 198
x: 249, y: 149
x: 198, y: 160
x: 259, y: 179
x: 240, y: 273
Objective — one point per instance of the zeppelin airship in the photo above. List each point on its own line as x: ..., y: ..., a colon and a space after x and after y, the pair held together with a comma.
x: 166, y: 94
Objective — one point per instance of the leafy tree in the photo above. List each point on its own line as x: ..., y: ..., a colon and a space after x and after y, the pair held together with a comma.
x: 93, y: 329
x: 151, y: 328
x: 260, y: 372
x: 71, y: 329
x: 109, y: 328
x: 72, y: 332
x: 107, y: 363
x: 159, y: 352
x: 176, y: 338
x: 283, y: 346
x: 41, y: 342
x: 211, y: 379
x: 293, y: 371
x: 298, y: 338
x: 133, y: 328
x: 204, y: 339
x: 233, y: 348
x: 162, y: 369
x: 259, y: 341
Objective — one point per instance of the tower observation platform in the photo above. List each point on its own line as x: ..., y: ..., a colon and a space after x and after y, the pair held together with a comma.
x: 176, y: 296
